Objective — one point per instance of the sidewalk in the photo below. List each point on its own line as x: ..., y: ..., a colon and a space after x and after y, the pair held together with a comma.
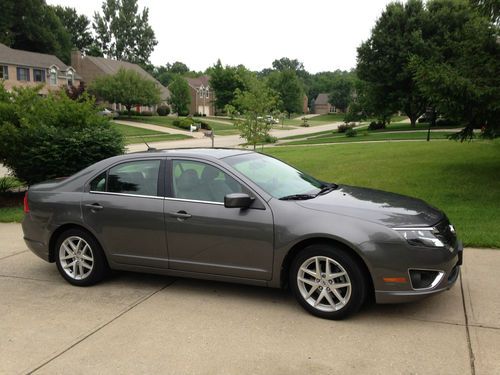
x: 135, y: 323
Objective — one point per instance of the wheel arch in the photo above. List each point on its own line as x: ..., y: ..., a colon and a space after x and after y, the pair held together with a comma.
x: 298, y: 247
x: 63, y: 228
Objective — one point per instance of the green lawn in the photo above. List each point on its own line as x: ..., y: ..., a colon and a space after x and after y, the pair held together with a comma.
x: 460, y: 178
x: 220, y: 128
x: 138, y: 135
x: 11, y: 214
x: 368, y: 136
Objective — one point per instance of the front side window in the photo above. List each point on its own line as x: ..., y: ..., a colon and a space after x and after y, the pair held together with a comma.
x: 273, y: 176
x: 135, y: 177
x: 23, y: 74
x: 199, y: 181
x: 39, y: 75
x: 4, y: 72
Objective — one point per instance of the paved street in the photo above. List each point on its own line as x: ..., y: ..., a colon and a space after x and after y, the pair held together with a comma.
x: 134, y: 323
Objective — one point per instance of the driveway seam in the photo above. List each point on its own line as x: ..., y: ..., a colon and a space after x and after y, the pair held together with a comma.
x: 27, y: 278
x: 86, y: 336
x: 11, y: 255
x: 467, y: 331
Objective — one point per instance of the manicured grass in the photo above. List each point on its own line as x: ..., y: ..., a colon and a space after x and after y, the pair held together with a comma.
x: 138, y: 135
x: 368, y: 136
x: 220, y: 128
x: 11, y: 214
x: 460, y: 178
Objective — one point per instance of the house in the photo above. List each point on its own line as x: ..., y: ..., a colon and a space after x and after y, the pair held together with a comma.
x: 202, y: 96
x: 320, y: 105
x: 90, y: 67
x: 20, y: 68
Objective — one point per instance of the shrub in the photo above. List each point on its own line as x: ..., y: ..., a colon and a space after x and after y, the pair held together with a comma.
x: 376, y: 125
x: 8, y: 182
x: 351, y: 132
x: 204, y: 125
x: 184, y: 123
x: 270, y: 139
x: 56, y: 137
x: 342, y: 128
x: 146, y: 113
x: 163, y: 110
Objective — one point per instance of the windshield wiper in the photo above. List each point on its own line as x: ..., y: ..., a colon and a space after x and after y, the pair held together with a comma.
x: 297, y: 197
x: 327, y: 188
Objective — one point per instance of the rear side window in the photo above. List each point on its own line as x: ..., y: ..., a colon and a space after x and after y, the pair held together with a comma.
x: 134, y: 177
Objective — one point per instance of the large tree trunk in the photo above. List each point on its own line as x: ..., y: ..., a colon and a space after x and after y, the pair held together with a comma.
x: 413, y: 120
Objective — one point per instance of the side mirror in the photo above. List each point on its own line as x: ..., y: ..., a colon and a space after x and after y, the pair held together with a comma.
x: 237, y: 200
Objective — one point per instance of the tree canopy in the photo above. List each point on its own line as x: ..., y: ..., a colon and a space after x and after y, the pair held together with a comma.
x: 123, y: 33
x: 180, y: 98
x: 34, y: 26
x: 126, y: 87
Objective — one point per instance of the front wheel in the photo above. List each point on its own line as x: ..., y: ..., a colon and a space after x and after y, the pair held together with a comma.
x: 79, y: 258
x: 327, y: 282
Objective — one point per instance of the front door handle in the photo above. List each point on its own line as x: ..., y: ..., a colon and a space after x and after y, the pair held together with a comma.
x: 180, y: 215
x: 94, y: 206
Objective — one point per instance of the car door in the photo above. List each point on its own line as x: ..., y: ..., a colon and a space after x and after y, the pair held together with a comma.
x: 124, y: 208
x: 203, y: 236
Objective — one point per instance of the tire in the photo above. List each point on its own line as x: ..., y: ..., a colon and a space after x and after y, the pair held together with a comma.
x: 79, y: 258
x: 345, y: 284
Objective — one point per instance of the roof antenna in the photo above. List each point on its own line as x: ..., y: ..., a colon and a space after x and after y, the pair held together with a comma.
x: 148, y: 146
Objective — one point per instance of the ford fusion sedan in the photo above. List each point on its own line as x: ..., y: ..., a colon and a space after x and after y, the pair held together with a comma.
x: 240, y: 216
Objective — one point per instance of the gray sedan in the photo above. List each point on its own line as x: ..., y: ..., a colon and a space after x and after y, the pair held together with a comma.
x: 240, y: 216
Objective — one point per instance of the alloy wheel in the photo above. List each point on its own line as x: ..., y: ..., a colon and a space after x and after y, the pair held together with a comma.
x: 76, y: 257
x: 324, y: 283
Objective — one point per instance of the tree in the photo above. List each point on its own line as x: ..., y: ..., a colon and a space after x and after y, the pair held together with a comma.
x: 341, y: 93
x: 383, y: 60
x: 288, y: 64
x: 180, y: 98
x: 488, y: 8
x: 225, y: 81
x: 126, y: 87
x: 78, y: 27
x: 256, y: 102
x: 462, y: 78
x: 287, y: 84
x: 34, y: 26
x: 47, y: 137
x: 123, y: 33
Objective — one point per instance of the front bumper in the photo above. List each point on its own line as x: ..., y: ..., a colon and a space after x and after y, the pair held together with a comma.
x: 448, y: 280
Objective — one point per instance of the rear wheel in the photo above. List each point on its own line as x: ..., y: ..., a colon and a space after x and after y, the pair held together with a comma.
x: 79, y: 258
x: 327, y: 282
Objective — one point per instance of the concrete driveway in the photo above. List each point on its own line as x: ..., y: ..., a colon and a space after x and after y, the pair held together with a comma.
x: 134, y: 323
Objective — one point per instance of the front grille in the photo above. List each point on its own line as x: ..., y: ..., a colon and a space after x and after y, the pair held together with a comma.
x: 445, y: 234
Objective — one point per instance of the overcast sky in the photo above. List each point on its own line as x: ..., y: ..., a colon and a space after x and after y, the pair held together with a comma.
x: 323, y: 34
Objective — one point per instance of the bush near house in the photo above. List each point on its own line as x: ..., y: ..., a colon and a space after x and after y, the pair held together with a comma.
x: 53, y: 136
x: 163, y: 110
x: 344, y: 128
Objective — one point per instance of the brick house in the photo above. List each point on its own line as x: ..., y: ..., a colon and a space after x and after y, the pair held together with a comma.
x: 90, y: 67
x: 20, y: 68
x: 202, y: 96
x: 321, y: 106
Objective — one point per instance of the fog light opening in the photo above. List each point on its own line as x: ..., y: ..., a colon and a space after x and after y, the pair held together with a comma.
x: 425, y: 279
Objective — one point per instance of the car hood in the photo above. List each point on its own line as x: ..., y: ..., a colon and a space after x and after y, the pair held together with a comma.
x: 384, y: 208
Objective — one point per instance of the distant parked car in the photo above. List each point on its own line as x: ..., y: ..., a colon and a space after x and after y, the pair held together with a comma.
x: 108, y: 113
x: 272, y: 120
x: 240, y: 216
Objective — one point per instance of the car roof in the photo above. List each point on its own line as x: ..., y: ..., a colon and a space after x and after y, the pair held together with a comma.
x: 217, y: 153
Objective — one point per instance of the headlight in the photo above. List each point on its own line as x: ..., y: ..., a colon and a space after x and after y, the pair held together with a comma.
x: 421, y: 236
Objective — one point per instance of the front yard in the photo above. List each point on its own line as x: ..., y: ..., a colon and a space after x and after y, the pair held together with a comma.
x: 138, y: 135
x: 460, y: 178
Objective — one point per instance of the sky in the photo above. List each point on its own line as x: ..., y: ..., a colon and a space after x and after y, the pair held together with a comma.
x: 323, y: 34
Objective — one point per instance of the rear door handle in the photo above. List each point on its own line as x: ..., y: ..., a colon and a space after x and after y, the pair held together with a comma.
x: 180, y: 215
x: 94, y: 206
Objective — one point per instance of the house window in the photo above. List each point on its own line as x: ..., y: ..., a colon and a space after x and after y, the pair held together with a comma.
x: 39, y: 75
x: 201, y: 91
x: 4, y: 72
x: 70, y: 78
x: 207, y: 91
x: 53, y: 77
x: 23, y: 74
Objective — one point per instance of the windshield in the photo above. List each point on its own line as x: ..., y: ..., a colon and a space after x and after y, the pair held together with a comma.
x: 273, y: 176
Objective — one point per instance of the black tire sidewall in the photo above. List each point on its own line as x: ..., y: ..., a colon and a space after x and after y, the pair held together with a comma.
x: 100, y: 268
x: 354, y: 271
